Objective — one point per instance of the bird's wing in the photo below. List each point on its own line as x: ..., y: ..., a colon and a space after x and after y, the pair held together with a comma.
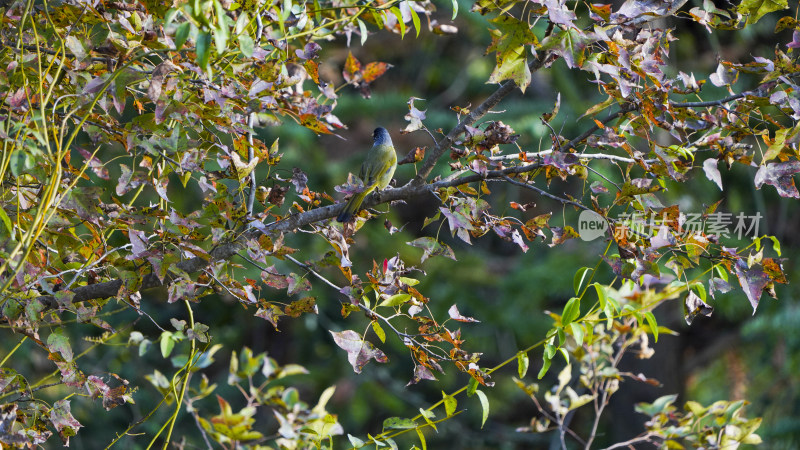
x: 380, y: 160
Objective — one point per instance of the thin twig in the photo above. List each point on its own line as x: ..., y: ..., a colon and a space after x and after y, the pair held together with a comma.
x: 446, y: 142
x: 251, y: 198
x: 643, y: 438
x: 371, y: 314
x: 547, y: 194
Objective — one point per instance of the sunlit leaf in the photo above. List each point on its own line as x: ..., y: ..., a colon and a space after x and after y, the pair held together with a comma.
x: 359, y: 351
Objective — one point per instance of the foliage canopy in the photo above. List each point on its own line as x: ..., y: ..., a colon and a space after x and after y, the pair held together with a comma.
x: 137, y: 173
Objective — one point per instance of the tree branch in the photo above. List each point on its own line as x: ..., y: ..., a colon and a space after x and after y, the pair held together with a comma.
x: 290, y: 223
x: 415, y: 187
x: 446, y: 142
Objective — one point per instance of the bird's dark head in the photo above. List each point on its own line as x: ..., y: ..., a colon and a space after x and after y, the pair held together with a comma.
x: 380, y: 136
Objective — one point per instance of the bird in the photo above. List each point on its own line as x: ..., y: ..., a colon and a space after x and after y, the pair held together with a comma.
x: 376, y: 172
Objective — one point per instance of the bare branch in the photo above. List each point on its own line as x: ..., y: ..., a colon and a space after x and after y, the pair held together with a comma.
x: 445, y: 143
x: 643, y: 438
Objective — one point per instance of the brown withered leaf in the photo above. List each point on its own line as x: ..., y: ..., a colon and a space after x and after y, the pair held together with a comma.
x: 304, y: 305
x: 65, y: 424
x: 753, y: 281
x: 359, y: 351
x: 270, y: 313
x: 780, y: 176
x: 498, y: 133
x: 413, y: 156
x: 773, y: 267
x: 389, y: 227
x: 299, y: 179
x: 374, y: 70
x: 522, y: 207
x: 421, y: 373
x: 352, y: 69
x: 157, y: 78
x: 694, y: 306
x: 561, y: 235
x: 277, y: 194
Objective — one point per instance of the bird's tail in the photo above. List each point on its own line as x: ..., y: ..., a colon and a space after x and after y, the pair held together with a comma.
x: 352, y: 207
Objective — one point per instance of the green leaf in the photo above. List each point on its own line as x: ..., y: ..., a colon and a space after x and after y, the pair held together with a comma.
x: 408, y: 281
x: 58, y: 343
x: 379, y: 331
x: 455, y: 9
x: 317, y: 11
x: 221, y: 32
x: 396, y: 11
x: 776, y: 244
x: 564, y: 354
x: 450, y: 404
x: 182, y: 34
x: 722, y: 272
x: 432, y: 247
x: 241, y: 23
x: 545, y: 367
x: 354, y: 441
x: 756, y: 9
x: 399, y: 423
x: 610, y: 313
x: 472, y: 387
x: 701, y: 290
x: 484, y: 406
x: 659, y: 406
x: 167, y: 343
x: 522, y: 364
x: 221, y: 39
x: 246, y: 45
x: 580, y: 276
x: 363, y: 27
x: 203, y: 48
x: 549, y: 351
x: 414, y: 18
x: 651, y: 322
x: 6, y: 221
x: 396, y: 299
x: 571, y: 311
x: 427, y: 415
x: 569, y: 43
x: 601, y: 294
x: 578, y: 332
x: 576, y: 401
x: 732, y: 410
x: 286, y: 10
x: 20, y: 162
x: 510, y: 40
x: 695, y: 408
